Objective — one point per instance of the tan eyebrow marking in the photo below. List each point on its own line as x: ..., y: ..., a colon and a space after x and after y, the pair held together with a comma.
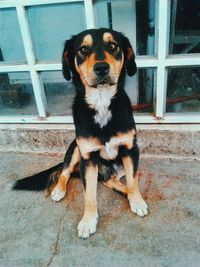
x: 87, y: 40
x: 107, y: 37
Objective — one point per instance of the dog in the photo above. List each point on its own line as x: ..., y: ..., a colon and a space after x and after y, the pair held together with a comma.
x: 97, y: 60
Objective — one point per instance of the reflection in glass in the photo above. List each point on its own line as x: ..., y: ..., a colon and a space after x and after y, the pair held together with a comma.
x: 11, y: 45
x: 185, y: 27
x: 59, y: 93
x: 16, y: 94
x: 136, y: 19
x: 145, y: 27
x: 141, y: 92
x: 51, y: 25
x: 183, y: 90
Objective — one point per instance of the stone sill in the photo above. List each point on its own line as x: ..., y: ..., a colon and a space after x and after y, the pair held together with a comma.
x: 154, y: 140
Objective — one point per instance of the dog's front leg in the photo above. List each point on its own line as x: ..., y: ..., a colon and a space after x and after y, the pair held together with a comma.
x: 89, y: 175
x: 130, y: 163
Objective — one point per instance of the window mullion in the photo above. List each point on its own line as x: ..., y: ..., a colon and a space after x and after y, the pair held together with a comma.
x: 163, y: 39
x: 14, y: 3
x: 38, y: 87
x: 89, y: 14
x: 183, y: 60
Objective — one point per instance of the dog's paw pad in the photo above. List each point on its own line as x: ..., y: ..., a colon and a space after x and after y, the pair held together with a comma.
x: 57, y: 194
x: 138, y: 206
x: 87, y: 227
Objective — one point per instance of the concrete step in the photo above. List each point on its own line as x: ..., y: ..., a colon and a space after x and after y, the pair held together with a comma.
x: 154, y: 140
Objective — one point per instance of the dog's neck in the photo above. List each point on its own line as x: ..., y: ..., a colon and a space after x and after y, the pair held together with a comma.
x: 99, y: 99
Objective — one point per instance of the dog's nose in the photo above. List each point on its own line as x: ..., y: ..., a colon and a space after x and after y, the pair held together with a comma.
x: 101, y: 68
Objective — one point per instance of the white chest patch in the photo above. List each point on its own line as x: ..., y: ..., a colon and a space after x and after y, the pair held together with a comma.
x: 99, y: 99
x: 111, y: 150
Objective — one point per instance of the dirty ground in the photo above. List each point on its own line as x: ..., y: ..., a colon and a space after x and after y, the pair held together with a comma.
x: 35, y: 231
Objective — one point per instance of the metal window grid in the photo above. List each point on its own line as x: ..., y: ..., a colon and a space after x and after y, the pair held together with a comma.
x: 159, y: 62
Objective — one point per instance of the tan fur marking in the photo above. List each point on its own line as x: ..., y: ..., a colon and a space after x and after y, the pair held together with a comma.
x: 110, y: 149
x: 91, y: 62
x: 86, y: 69
x: 87, y: 225
x: 87, y: 40
x: 132, y: 181
x: 63, y: 180
x: 66, y: 56
x: 107, y: 37
x: 137, y: 203
x: 86, y: 66
x: 65, y: 174
x: 125, y: 138
x: 88, y: 145
x: 90, y: 191
x: 114, y: 183
x: 130, y: 53
x: 115, y: 65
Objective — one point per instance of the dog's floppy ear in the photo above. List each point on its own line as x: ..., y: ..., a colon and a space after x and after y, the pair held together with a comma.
x: 66, y: 59
x: 129, y: 57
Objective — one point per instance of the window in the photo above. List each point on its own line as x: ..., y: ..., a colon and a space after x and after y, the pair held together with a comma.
x: 164, y: 34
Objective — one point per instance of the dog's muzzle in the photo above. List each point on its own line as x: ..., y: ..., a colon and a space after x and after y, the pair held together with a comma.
x: 101, y: 69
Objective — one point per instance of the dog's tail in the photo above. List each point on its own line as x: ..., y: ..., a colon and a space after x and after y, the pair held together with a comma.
x: 39, y: 181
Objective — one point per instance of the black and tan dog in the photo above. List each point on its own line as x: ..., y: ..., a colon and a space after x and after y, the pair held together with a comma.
x: 105, y: 139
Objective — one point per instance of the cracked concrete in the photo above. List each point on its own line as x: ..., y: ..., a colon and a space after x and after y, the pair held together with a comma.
x: 56, y: 243
x: 35, y: 231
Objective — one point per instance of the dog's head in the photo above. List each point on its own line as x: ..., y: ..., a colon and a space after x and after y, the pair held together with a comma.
x: 98, y: 56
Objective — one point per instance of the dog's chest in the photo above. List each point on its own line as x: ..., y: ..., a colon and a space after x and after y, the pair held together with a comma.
x: 108, y: 150
x: 99, y: 100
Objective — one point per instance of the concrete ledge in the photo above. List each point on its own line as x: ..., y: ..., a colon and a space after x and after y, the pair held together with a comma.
x: 155, y: 140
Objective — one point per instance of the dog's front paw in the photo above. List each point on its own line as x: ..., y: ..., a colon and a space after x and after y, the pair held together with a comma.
x: 138, y: 205
x: 87, y: 226
x: 57, y: 194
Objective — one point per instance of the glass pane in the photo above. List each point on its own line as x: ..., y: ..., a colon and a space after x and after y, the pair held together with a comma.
x: 11, y: 45
x: 141, y: 98
x: 183, y: 89
x: 16, y: 94
x: 185, y: 27
x: 51, y: 25
x: 145, y: 27
x: 136, y: 19
x: 59, y: 93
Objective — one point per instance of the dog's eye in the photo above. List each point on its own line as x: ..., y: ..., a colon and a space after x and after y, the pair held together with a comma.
x: 112, y: 46
x: 84, y: 50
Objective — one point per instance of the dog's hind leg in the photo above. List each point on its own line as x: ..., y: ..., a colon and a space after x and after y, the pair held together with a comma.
x: 130, y: 163
x: 72, y: 157
x: 115, y: 184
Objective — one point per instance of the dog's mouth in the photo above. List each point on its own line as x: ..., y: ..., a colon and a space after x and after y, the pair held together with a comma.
x: 104, y: 85
x: 102, y: 82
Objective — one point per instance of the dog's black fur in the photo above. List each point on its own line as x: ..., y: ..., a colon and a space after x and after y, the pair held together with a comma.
x: 100, y: 51
x: 122, y: 115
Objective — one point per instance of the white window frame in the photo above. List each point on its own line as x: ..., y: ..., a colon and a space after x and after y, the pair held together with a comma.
x: 159, y: 62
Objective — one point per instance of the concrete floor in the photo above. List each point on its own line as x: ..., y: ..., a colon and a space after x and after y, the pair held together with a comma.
x: 35, y: 231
